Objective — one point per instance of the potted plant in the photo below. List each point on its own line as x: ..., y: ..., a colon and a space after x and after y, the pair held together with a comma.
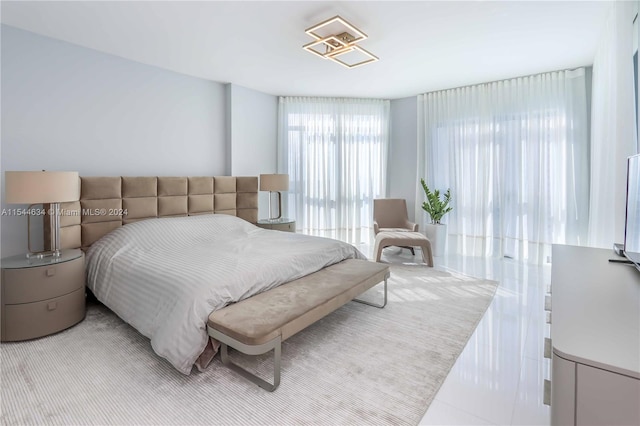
x: 436, y: 208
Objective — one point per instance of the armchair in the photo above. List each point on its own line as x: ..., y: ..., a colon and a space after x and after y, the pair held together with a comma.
x: 390, y: 214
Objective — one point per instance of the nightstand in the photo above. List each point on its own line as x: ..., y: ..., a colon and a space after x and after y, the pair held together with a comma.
x: 281, y: 224
x: 41, y: 296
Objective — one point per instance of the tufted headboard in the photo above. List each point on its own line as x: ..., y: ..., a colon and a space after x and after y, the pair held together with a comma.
x: 107, y: 203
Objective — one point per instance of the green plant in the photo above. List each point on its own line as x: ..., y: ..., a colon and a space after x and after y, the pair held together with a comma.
x: 434, y: 205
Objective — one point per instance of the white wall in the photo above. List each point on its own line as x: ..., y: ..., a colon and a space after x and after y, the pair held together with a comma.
x: 252, y: 135
x: 65, y: 107
x: 402, y: 162
x: 69, y: 107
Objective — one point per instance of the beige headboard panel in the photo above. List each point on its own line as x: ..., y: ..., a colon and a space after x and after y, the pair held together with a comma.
x: 107, y: 203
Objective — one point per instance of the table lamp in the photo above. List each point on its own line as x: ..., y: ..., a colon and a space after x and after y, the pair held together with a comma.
x: 275, y: 183
x: 43, y: 188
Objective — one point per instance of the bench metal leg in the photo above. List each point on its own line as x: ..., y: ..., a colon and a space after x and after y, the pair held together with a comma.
x: 376, y: 305
x: 275, y: 344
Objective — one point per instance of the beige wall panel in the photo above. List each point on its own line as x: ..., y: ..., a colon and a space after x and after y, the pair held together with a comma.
x: 137, y: 208
x: 250, y: 215
x: 95, y: 188
x: 247, y: 184
x: 224, y: 202
x: 92, y: 232
x: 200, y: 185
x: 70, y: 237
x: 172, y: 206
x: 229, y: 212
x: 200, y: 204
x: 224, y: 184
x: 172, y: 186
x: 139, y: 186
x: 145, y: 197
x: 101, y: 210
x: 70, y: 214
x: 247, y: 200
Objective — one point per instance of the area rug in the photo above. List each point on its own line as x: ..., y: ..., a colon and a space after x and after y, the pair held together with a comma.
x: 359, y: 365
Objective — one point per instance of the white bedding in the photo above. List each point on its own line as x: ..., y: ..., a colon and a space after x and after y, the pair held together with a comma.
x: 165, y: 276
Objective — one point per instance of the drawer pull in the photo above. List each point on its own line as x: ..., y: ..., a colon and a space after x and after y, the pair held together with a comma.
x: 547, y: 348
x: 546, y: 397
x: 52, y: 306
x: 51, y: 272
x: 547, y: 303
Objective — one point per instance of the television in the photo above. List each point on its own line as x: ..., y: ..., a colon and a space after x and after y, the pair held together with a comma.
x: 632, y: 217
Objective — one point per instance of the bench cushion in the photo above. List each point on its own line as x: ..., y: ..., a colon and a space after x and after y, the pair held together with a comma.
x: 291, y: 307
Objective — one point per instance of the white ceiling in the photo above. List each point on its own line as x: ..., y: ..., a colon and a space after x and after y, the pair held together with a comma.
x: 422, y: 45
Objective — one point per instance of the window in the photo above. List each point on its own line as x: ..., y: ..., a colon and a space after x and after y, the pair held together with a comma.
x: 334, y: 151
x: 515, y: 155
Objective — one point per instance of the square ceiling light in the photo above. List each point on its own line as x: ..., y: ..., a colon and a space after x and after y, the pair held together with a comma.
x: 325, y: 46
x: 337, y: 39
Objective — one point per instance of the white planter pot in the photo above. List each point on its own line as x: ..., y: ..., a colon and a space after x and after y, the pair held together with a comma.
x: 437, y: 234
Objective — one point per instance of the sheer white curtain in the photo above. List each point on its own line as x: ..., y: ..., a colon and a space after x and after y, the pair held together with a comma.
x: 335, y: 152
x: 613, y: 130
x: 515, y: 155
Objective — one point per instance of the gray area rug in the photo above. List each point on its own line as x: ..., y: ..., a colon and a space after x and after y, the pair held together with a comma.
x: 359, y: 365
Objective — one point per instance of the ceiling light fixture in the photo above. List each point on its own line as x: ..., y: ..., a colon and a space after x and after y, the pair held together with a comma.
x: 336, y: 37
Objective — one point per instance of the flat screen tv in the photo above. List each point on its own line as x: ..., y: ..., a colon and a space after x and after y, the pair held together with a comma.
x: 632, y: 217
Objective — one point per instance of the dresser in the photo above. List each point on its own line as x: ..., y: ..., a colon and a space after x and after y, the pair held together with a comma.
x: 41, y: 296
x: 283, y: 224
x: 595, y: 337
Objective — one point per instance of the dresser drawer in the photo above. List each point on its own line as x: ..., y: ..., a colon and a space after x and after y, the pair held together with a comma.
x: 31, y: 320
x: 27, y: 285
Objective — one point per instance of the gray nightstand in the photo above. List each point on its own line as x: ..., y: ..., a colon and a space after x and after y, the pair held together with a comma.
x: 41, y: 296
x: 281, y: 224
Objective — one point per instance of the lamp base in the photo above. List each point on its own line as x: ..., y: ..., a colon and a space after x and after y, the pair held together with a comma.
x: 43, y: 254
x: 52, y: 231
x: 277, y: 218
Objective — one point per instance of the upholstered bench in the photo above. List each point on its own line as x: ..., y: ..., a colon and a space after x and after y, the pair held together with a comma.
x: 403, y: 239
x: 260, y: 323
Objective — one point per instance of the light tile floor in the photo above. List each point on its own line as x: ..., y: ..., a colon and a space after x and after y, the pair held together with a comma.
x: 499, y: 377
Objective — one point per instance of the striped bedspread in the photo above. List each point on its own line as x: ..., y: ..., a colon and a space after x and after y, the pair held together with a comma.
x: 165, y: 276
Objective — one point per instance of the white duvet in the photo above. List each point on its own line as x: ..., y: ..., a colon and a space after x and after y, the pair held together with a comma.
x: 165, y: 276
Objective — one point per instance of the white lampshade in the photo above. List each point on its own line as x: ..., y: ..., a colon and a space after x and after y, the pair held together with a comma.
x: 274, y: 182
x: 41, y: 187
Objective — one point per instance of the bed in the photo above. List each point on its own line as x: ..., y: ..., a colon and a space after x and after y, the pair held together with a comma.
x: 175, y: 262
